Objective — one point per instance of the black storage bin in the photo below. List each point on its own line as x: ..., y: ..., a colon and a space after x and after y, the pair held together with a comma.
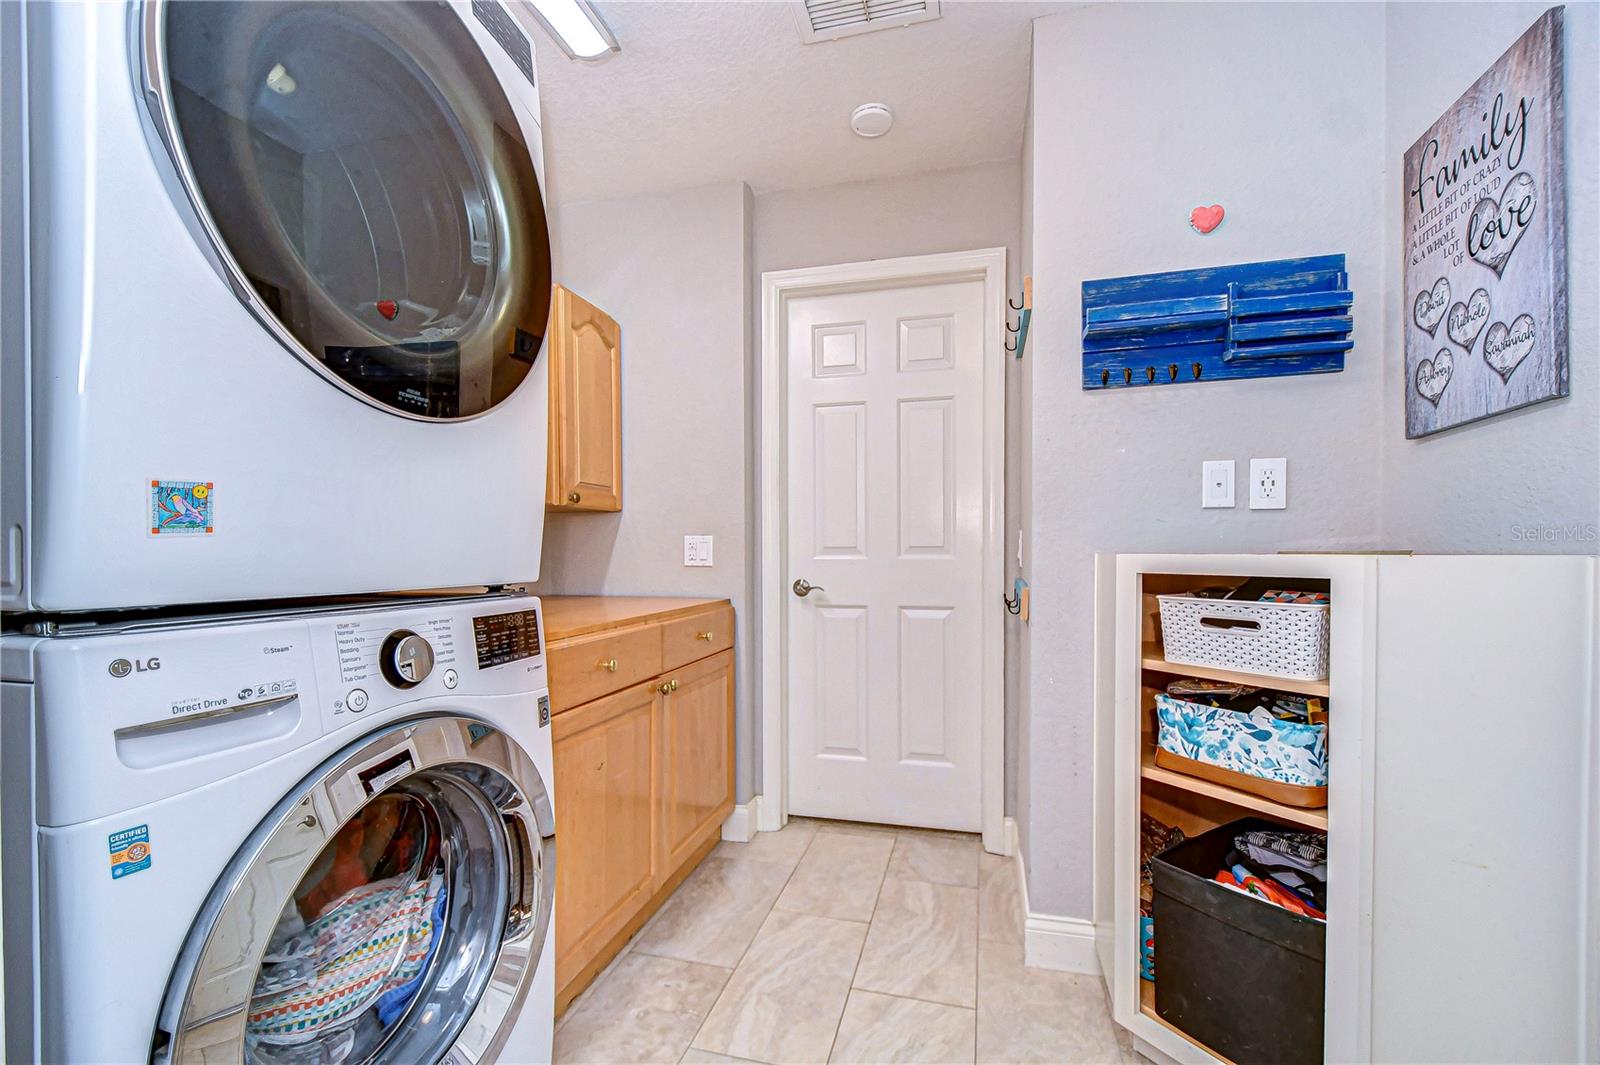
x: 1241, y: 976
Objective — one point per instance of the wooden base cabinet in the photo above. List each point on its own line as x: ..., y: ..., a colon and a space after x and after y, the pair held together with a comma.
x: 697, y: 719
x: 607, y: 778
x: 643, y: 770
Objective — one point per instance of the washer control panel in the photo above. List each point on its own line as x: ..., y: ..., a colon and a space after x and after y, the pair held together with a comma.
x: 406, y: 658
x: 374, y: 660
x: 508, y: 637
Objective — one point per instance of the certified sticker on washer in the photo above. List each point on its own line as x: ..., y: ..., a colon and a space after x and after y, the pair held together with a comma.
x: 182, y: 508
x: 130, y: 851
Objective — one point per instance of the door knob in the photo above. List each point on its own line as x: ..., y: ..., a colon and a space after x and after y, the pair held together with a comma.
x: 574, y: 497
x: 803, y: 587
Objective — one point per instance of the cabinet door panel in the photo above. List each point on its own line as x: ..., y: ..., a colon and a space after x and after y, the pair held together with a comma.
x: 698, y: 735
x: 606, y: 786
x: 586, y: 407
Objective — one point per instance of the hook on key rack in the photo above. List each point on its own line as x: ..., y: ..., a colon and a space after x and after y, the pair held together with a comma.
x: 1020, y: 330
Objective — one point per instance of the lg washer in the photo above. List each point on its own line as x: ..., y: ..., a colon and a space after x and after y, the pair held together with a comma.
x: 315, y: 837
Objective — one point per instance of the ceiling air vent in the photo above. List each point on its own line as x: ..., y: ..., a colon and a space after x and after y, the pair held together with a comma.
x: 828, y: 20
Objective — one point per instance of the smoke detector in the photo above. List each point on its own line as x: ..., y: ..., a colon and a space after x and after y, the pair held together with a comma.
x: 871, y: 120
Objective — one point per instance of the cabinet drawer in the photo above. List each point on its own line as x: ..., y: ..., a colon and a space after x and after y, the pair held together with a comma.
x: 693, y: 638
x: 580, y: 668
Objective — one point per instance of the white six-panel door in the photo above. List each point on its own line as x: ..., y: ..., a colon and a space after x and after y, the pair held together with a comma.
x: 884, y: 515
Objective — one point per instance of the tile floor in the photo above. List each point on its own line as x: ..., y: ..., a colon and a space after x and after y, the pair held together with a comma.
x: 831, y: 942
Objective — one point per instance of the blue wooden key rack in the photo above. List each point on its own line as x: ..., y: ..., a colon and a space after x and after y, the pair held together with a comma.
x: 1272, y: 319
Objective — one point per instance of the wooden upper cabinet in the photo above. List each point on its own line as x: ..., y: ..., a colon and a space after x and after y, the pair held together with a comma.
x: 585, y: 407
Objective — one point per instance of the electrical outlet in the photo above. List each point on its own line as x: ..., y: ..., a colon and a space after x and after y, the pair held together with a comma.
x: 697, y: 550
x: 1269, y: 484
x: 1216, y: 483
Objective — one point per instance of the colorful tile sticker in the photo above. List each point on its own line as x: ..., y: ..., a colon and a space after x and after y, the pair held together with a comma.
x: 130, y: 851
x: 182, y: 508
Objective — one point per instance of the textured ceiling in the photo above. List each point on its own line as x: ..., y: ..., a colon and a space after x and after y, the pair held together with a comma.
x: 724, y: 91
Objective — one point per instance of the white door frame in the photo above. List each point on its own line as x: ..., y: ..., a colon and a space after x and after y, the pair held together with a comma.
x: 777, y: 288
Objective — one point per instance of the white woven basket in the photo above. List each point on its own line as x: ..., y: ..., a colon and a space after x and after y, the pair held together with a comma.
x: 1280, y: 639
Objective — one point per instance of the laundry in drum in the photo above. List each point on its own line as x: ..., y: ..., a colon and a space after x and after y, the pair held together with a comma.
x: 423, y: 377
x: 355, y: 944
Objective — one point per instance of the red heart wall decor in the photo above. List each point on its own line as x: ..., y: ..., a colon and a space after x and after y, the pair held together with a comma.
x: 1205, y: 219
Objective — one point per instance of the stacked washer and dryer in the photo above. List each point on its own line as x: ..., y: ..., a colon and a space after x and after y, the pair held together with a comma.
x: 277, y: 277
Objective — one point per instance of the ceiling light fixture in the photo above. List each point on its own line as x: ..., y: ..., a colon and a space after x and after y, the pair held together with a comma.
x: 871, y: 120
x: 577, y: 27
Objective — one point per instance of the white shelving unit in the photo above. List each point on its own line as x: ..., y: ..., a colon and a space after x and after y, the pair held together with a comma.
x: 1463, y: 757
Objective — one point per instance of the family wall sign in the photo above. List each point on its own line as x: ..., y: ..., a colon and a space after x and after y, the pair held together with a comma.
x: 1486, y: 244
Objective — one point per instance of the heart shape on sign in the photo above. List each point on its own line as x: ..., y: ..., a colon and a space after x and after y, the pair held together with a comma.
x: 1505, y: 347
x: 1433, y: 374
x: 1428, y: 310
x: 1493, y: 229
x: 1467, y: 319
x: 1205, y: 219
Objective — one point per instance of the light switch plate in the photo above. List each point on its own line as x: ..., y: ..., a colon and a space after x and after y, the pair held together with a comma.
x: 1269, y: 484
x: 1216, y: 483
x: 697, y: 550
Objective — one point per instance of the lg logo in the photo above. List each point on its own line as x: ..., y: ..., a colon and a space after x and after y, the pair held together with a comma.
x: 121, y: 667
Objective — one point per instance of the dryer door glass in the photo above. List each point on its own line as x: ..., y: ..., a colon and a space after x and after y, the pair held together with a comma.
x: 368, y: 188
x: 389, y: 913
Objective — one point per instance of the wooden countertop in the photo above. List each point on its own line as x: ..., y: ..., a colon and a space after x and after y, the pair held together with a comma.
x: 566, y: 616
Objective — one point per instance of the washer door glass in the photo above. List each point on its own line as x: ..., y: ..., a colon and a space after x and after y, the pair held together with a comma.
x: 358, y: 937
x: 391, y: 910
x: 367, y: 182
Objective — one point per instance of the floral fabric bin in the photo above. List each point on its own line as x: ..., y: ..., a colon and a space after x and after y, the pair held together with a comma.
x: 1255, y: 744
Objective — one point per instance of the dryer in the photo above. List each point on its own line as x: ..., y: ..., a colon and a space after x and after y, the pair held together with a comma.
x: 288, y: 277
x: 318, y: 837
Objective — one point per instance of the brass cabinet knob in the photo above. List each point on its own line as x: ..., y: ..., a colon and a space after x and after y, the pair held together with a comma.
x: 674, y: 683
x: 706, y: 636
x: 665, y: 688
x: 608, y: 664
x: 574, y: 497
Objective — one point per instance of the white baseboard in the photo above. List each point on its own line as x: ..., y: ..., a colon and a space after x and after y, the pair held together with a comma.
x: 745, y: 821
x: 1065, y: 944
x: 1062, y: 943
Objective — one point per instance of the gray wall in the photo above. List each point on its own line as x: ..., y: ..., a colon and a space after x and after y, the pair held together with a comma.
x: 945, y: 210
x: 1494, y: 485
x: 1301, y: 142
x: 1141, y: 112
x: 922, y: 214
x: 671, y: 268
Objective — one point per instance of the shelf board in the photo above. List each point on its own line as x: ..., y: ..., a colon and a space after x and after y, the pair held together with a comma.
x: 1314, y: 818
x: 1154, y: 659
x: 1147, y: 1006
